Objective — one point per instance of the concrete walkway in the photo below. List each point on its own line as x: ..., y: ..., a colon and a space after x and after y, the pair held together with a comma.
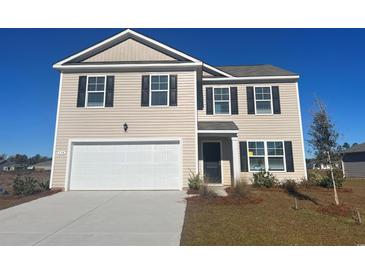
x: 96, y: 218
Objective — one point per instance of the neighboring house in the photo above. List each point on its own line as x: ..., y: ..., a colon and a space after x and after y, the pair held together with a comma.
x: 134, y: 113
x: 11, y: 166
x: 353, y: 162
x: 46, y: 165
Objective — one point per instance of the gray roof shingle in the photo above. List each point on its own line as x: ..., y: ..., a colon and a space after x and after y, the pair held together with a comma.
x: 217, y: 126
x: 256, y: 70
x: 357, y: 148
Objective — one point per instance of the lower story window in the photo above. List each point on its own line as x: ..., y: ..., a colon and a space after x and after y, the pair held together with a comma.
x: 275, y: 151
x: 256, y: 151
x: 266, y: 156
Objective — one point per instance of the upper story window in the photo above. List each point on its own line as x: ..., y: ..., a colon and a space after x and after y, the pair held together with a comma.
x: 263, y: 100
x: 221, y: 101
x: 95, y: 95
x: 266, y: 156
x: 159, y: 90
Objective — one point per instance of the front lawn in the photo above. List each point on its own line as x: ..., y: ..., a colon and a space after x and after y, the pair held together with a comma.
x: 274, y: 221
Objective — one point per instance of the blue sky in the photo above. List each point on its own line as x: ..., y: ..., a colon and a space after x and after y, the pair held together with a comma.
x: 329, y: 61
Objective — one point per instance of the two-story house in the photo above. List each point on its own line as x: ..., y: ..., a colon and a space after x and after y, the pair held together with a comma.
x: 136, y: 114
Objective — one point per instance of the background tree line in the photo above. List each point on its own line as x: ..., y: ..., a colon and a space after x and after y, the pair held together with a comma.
x: 23, y: 159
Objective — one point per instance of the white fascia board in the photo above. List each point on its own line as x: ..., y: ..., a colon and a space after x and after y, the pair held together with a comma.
x: 253, y: 78
x: 218, y: 131
x: 73, y: 67
x: 124, y: 33
x: 217, y: 70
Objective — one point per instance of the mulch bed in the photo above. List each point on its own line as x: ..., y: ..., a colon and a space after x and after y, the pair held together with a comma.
x: 192, y: 191
x: 342, y: 210
x: 13, y: 200
x: 229, y: 200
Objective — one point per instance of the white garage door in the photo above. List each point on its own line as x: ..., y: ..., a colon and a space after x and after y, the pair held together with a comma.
x: 125, y: 166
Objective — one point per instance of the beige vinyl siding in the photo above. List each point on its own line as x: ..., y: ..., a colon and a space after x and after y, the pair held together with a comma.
x: 129, y: 50
x: 207, y: 74
x: 284, y: 126
x: 143, y: 122
x: 226, y: 157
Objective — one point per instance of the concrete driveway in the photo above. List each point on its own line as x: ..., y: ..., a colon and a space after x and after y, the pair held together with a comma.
x: 96, y: 218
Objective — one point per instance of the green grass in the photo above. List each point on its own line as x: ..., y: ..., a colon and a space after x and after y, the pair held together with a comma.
x: 274, y: 221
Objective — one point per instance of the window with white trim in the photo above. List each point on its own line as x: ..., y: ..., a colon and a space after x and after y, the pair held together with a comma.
x: 159, y: 90
x: 256, y: 152
x: 275, y: 156
x: 266, y: 156
x: 263, y: 100
x: 221, y: 101
x: 95, y: 91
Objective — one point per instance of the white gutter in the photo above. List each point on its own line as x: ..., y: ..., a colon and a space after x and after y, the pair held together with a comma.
x: 253, y: 78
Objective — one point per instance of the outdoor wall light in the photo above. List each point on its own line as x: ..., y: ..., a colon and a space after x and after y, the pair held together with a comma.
x: 125, y: 126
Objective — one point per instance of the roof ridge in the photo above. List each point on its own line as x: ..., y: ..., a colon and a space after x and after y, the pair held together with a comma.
x: 246, y: 65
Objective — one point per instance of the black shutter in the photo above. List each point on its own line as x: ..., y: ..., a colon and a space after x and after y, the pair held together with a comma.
x: 81, y: 92
x: 234, y: 101
x: 244, y: 156
x: 109, y: 100
x: 209, y: 101
x: 173, y: 90
x: 276, y: 100
x: 199, y: 89
x: 289, y: 156
x: 145, y: 95
x: 250, y: 101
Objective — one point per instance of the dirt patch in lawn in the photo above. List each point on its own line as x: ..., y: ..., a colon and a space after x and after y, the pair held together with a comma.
x: 273, y: 221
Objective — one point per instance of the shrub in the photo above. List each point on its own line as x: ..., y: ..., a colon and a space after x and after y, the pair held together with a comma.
x: 44, y: 186
x: 194, y: 181
x: 264, y: 179
x: 338, y: 175
x: 241, y: 189
x: 206, y: 190
x: 325, y: 179
x: 25, y: 187
x: 315, y: 178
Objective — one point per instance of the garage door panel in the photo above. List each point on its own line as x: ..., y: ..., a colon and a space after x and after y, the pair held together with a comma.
x: 137, y: 165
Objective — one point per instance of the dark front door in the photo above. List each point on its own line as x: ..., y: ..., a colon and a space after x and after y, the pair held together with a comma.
x: 212, y: 162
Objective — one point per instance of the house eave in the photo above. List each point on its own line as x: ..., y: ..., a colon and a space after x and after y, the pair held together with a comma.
x: 123, y: 66
x: 251, y: 78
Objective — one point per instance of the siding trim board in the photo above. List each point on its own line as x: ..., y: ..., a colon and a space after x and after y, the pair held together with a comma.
x: 56, y: 130
x: 301, y: 129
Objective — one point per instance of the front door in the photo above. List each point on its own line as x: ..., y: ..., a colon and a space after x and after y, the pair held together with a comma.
x: 212, y: 162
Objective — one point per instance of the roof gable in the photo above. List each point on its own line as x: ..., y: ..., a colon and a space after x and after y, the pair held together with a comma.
x: 108, y: 44
x: 134, y: 43
x: 128, y: 51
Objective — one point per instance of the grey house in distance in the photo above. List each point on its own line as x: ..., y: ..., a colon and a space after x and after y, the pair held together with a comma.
x: 354, y: 162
